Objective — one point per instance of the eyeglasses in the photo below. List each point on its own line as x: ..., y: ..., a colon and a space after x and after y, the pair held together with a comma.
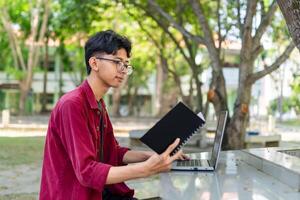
x: 121, y: 67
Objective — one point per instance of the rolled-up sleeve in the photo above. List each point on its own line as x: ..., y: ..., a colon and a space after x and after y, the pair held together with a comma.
x: 121, y: 152
x: 78, y: 143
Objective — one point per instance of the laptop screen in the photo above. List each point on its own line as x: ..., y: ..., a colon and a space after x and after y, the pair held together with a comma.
x: 218, y: 138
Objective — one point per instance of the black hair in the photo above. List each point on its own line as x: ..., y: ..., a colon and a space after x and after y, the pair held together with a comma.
x: 105, y: 42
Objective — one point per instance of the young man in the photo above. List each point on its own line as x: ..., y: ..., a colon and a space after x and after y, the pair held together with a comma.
x: 82, y: 159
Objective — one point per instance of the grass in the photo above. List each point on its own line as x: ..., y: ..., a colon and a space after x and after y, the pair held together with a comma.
x: 21, y: 150
x: 294, y: 122
x: 32, y: 196
x: 15, y: 151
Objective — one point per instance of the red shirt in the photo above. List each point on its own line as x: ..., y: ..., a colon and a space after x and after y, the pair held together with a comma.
x: 71, y: 166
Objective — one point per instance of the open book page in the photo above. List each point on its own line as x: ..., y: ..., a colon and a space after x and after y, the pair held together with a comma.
x: 201, y: 116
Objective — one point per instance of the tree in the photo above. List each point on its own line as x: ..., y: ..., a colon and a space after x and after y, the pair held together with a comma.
x: 45, y: 78
x: 32, y: 37
x: 187, y: 48
x: 71, y: 24
x: 251, y: 49
x: 171, y: 62
x: 214, y: 31
x: 291, y: 13
x: 142, y: 54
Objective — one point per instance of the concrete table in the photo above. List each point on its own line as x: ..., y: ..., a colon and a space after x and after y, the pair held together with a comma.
x: 255, y: 141
x: 233, y: 179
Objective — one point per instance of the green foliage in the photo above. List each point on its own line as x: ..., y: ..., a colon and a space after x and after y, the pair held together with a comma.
x: 19, y: 12
x: 72, y: 21
x: 291, y: 122
x: 5, y: 55
x: 70, y: 24
x: 286, y: 105
x: 143, y: 52
x: 72, y: 16
x: 143, y: 62
x: 11, y: 101
x: 17, y: 74
x: 278, y: 30
x: 163, y: 45
x: 2, y: 100
x: 296, y: 93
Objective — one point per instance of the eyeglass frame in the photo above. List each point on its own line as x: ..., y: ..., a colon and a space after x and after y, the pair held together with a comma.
x: 121, y: 65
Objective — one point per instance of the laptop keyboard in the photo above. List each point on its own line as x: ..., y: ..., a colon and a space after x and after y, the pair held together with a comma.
x: 190, y: 163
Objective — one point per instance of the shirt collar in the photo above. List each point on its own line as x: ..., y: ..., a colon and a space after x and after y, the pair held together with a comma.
x: 89, y: 94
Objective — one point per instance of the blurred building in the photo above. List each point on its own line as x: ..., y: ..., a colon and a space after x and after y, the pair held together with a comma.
x: 274, y: 86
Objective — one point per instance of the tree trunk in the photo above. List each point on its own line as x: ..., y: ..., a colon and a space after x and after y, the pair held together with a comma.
x: 190, y: 97
x: 247, y: 77
x: 199, y: 104
x: 116, y: 98
x: 37, y: 33
x: 199, y: 99
x: 217, y: 94
x: 131, y: 98
x: 291, y: 13
x: 161, y: 77
x: 158, y: 90
x: 206, y: 109
x: 196, y: 71
x: 251, y: 49
x: 60, y: 79
x: 23, y: 96
x: 24, y: 90
x: 239, y: 121
x: 45, y: 80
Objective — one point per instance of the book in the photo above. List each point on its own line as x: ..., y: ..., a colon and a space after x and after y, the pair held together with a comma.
x: 180, y: 122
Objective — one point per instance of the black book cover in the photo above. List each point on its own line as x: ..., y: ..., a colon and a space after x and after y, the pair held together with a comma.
x: 179, y: 122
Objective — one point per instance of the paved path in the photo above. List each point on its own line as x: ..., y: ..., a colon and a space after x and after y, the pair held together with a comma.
x: 21, y: 179
x: 37, y: 125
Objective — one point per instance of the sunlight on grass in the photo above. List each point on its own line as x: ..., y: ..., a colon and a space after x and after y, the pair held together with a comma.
x: 295, y: 122
x: 32, y: 196
x: 21, y: 150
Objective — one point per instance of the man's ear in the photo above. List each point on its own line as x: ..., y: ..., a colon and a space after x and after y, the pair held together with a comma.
x: 93, y: 64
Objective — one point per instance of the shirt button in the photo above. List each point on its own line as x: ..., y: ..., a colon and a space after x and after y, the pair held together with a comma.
x: 97, y: 128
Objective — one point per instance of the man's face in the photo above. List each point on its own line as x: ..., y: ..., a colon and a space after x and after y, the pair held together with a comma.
x: 110, y: 68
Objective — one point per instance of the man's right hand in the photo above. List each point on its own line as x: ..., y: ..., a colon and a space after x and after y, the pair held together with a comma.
x: 153, y: 165
x: 163, y: 162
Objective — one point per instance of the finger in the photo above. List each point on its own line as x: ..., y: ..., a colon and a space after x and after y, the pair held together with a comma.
x: 181, y: 158
x: 185, y: 157
x: 176, y: 156
x: 171, y: 147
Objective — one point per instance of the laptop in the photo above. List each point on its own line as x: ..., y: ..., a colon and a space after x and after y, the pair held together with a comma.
x: 201, y: 164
